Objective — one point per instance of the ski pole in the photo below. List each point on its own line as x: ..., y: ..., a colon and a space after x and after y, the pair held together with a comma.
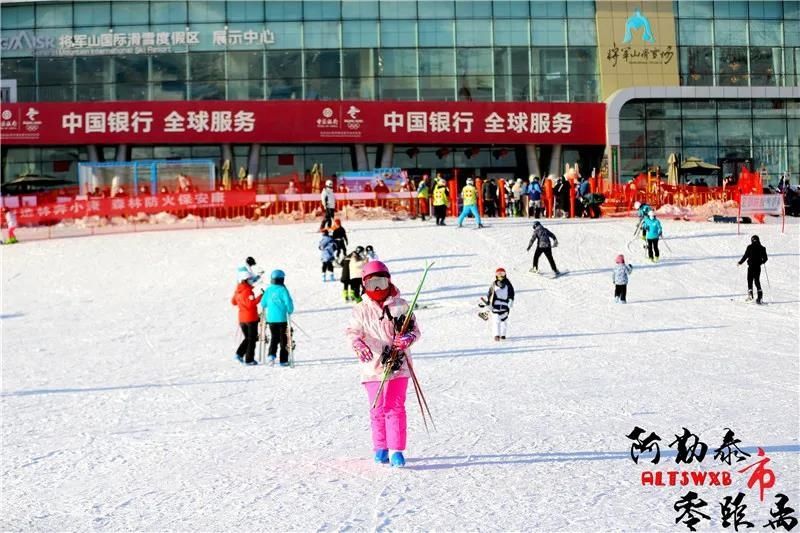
x: 668, y: 247
x: 393, y: 353
x: 301, y: 330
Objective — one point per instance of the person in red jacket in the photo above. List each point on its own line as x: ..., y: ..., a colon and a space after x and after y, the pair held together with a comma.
x: 248, y: 319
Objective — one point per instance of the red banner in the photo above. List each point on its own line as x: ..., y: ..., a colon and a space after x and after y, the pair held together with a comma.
x: 292, y: 121
x: 128, y: 206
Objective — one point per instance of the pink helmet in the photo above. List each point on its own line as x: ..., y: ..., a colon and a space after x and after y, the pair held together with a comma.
x: 374, y: 267
x: 620, y: 259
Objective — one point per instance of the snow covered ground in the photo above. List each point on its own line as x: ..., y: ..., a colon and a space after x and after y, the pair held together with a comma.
x: 122, y: 407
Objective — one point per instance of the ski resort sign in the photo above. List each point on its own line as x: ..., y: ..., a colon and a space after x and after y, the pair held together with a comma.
x: 762, y: 204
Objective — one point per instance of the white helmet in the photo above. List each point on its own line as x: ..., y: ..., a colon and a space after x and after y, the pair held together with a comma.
x: 651, y: 214
x: 470, y: 181
x: 328, y: 183
x: 637, y: 205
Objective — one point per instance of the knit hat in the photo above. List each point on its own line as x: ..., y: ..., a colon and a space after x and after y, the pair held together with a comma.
x: 500, y: 272
x: 620, y: 259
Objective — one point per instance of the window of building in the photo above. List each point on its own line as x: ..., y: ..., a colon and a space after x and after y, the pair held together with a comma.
x: 730, y: 9
x: 703, y: 9
x: 477, y: 9
x: 398, y: 33
x: 732, y: 66
x: 168, y: 12
x: 321, y: 34
x: 288, y: 35
x: 92, y: 13
x: 205, y: 66
x: 473, y: 33
x: 583, y: 79
x: 699, y: 132
x: 315, y: 10
x: 695, y: 32
x: 129, y: 13
x: 397, y: 62
x: 510, y: 9
x: 397, y: 88
x: 547, y: 9
x: 94, y: 69
x: 436, y: 10
x: 580, y: 10
x: 766, y: 68
x: 56, y: 70
x: 766, y: 10
x: 205, y: 11
x: 244, y: 65
x: 511, y: 32
x: 582, y: 32
x: 697, y: 65
x: 437, y: 88
x: 730, y: 32
x: 359, y: 70
x: 18, y: 17
x: 284, y: 74
x: 549, y: 33
x: 436, y: 63
x: 56, y: 93
x: 130, y: 69
x: 286, y: 10
x: 52, y: 15
x: 354, y: 9
x: 322, y: 64
x: 398, y: 9
x: 21, y: 69
x: 765, y: 33
x: 359, y: 34
x: 474, y: 67
x: 436, y: 33
x: 240, y: 11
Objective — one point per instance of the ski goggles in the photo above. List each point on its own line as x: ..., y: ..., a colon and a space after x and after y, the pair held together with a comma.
x: 376, y: 283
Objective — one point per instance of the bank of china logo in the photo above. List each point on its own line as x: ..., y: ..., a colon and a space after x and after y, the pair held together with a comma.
x: 637, y: 21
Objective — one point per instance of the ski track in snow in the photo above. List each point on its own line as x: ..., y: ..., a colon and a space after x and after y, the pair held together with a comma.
x: 122, y: 407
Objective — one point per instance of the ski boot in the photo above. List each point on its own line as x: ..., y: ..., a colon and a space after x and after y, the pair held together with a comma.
x: 284, y: 364
x: 271, y: 360
x: 480, y: 225
x: 382, y: 457
x: 535, y: 270
x: 252, y: 363
x: 497, y: 337
x: 398, y: 460
x: 239, y: 358
x: 616, y: 299
x: 502, y: 337
x: 333, y: 278
x: 346, y: 295
x: 749, y: 296
x: 760, y: 297
x: 324, y: 277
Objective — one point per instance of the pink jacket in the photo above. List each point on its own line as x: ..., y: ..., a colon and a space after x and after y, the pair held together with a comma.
x: 366, y: 324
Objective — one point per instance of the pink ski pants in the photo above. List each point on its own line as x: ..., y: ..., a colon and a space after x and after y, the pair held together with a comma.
x: 389, y: 416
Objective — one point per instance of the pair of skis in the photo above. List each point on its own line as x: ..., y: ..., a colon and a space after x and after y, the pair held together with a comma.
x: 394, y: 355
x: 263, y: 340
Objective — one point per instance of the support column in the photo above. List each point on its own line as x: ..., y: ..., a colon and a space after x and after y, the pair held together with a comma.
x: 388, y: 155
x: 555, y: 161
x: 533, y: 161
x: 361, y: 157
x: 254, y: 160
x: 92, y: 153
x: 227, y: 155
x: 122, y: 153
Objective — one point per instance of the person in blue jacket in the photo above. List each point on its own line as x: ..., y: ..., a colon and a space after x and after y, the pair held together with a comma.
x: 328, y: 248
x: 278, y: 305
x: 652, y: 228
x: 641, y: 212
x: 535, y: 197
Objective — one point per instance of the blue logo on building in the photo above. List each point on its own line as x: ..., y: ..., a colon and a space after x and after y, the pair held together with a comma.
x: 637, y: 21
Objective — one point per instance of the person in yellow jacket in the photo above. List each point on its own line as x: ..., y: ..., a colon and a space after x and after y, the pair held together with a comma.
x: 440, y: 202
x: 470, y: 197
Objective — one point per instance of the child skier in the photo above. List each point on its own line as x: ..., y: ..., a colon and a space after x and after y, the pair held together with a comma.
x: 11, y: 222
x: 500, y: 298
x: 339, y: 236
x: 371, y: 255
x: 620, y: 277
x: 328, y: 248
x: 253, y: 272
x: 641, y: 211
x: 357, y: 262
x: 278, y: 305
x: 373, y: 333
x: 755, y: 255
x: 542, y: 236
x: 652, y: 229
x: 248, y: 318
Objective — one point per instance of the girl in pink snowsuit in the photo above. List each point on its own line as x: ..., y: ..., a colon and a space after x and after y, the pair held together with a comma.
x: 374, y: 327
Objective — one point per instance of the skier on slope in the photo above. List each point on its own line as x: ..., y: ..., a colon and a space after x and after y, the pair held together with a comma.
x: 11, y: 222
x: 653, y: 231
x: 500, y: 298
x: 278, y: 305
x: 541, y: 236
x: 357, y: 262
x: 327, y: 247
x: 247, y: 303
x: 370, y: 251
x: 339, y: 236
x: 620, y: 277
x: 755, y: 255
x: 328, y: 199
x: 470, y: 198
x: 641, y: 211
x: 253, y: 272
x: 440, y: 201
x: 373, y: 332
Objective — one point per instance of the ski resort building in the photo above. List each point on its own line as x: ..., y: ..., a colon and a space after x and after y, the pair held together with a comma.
x: 491, y: 88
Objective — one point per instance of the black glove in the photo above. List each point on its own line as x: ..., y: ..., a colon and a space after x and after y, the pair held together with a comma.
x: 386, y: 356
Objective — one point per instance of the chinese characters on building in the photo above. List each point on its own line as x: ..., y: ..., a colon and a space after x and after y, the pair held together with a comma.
x: 638, y: 55
x: 174, y: 122
x: 463, y: 122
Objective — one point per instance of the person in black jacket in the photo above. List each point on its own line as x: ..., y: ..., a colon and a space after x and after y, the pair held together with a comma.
x: 490, y: 198
x: 500, y: 299
x: 543, y: 246
x: 340, y: 238
x: 755, y: 255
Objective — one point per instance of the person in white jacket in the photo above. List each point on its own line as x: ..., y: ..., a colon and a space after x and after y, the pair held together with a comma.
x: 11, y: 221
x: 373, y: 332
x: 328, y: 199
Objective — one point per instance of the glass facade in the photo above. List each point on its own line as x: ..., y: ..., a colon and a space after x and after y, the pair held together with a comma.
x: 764, y: 133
